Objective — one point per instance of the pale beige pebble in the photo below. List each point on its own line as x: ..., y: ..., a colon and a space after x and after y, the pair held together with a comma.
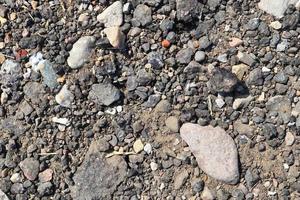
x: 235, y: 42
x: 240, y: 70
x: 2, y: 45
x: 276, y: 25
x: 289, y: 139
x: 2, y: 58
x: 138, y: 146
x: 13, y: 16
x: 16, y: 178
x: 214, y: 149
x: 46, y: 175
x: 83, y: 17
x: 115, y: 36
x: 2, y: 20
x: 207, y: 194
x: 172, y: 123
x: 180, y: 178
x: 261, y: 97
x: 34, y: 4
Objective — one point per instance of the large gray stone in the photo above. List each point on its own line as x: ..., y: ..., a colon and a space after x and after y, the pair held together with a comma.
x: 98, y: 177
x: 215, y: 151
x: 81, y: 51
x: 104, y: 94
x: 276, y: 7
x: 112, y: 15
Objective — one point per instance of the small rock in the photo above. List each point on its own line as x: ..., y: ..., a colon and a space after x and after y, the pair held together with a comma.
x: 276, y: 25
x: 289, y: 139
x: 2, y: 58
x: 215, y: 151
x: 48, y: 73
x: 64, y: 97
x: 240, y: 70
x: 222, y: 80
x: 251, y: 178
x: 138, y: 146
x: 282, y: 46
x: 163, y: 106
x: 115, y: 36
x: 220, y: 102
x: 153, y: 166
x: 180, y: 179
x: 45, y: 189
x: 186, y: 10
x: 235, y: 42
x: 63, y: 121
x: 112, y: 15
x: 46, y: 175
x: 281, y: 77
x: 200, y: 56
x: 275, y: 7
x: 246, y: 58
x: 152, y: 101
x: 3, y: 195
x: 143, y: 14
x: 242, y: 102
x: 207, y: 194
x: 172, y: 123
x: 15, y: 178
x: 26, y: 108
x: 30, y: 168
x: 81, y: 52
x: 148, y: 148
x: 222, y: 58
x: 252, y: 24
x: 281, y: 105
x: 104, y: 94
x: 204, y: 42
x: 198, y: 185
x: 184, y: 56
x: 255, y: 77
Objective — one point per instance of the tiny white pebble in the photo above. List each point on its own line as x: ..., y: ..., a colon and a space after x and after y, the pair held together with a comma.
x: 153, y: 166
x: 148, y: 148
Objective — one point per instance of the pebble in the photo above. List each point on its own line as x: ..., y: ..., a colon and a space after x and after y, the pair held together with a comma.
x: 242, y: 102
x: 222, y: 58
x: 289, y: 138
x: 172, y: 123
x: 251, y: 178
x: 3, y: 196
x: 115, y: 36
x: 163, y: 106
x: 30, y: 168
x: 204, y: 43
x: 240, y: 70
x: 45, y: 189
x: 138, y: 146
x: 207, y: 194
x: 184, y: 56
x: 153, y: 166
x: 220, y: 102
x: 235, y: 42
x: 112, y: 15
x: 200, y: 56
x: 186, y: 10
x: 15, y: 178
x: 143, y: 14
x: 62, y: 120
x: 255, y: 77
x: 180, y: 179
x: 276, y: 25
x: 222, y: 80
x: 281, y: 105
x: 104, y: 94
x: 48, y: 73
x: 81, y: 52
x: 276, y: 8
x: 246, y: 58
x: 46, y: 175
x: 2, y: 58
x: 148, y: 148
x: 215, y: 151
x: 64, y: 97
x: 282, y: 46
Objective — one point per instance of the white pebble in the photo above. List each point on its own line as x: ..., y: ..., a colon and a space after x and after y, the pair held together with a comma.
x: 153, y: 166
x: 148, y: 148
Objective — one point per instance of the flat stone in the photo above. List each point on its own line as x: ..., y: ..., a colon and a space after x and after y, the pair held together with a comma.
x: 30, y: 168
x: 243, y: 129
x: 48, y: 73
x: 246, y: 58
x: 98, y: 177
x: 64, y: 97
x: 104, y: 94
x: 235, y: 42
x: 25, y: 108
x: 81, y: 51
x: 289, y: 138
x: 46, y: 175
x: 214, y: 149
x: 143, y: 14
x: 112, y: 15
x: 12, y: 126
x: 184, y: 56
x: 281, y: 105
x: 172, y: 123
x: 242, y: 102
x: 115, y: 36
x: 276, y: 25
x: 34, y: 92
x: 180, y: 178
x: 276, y: 8
x: 163, y: 106
x: 240, y: 70
x: 138, y: 146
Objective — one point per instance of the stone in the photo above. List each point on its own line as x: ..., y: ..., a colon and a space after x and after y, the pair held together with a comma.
x: 235, y: 42
x: 186, y: 10
x: 81, y: 52
x: 296, y: 109
x: 243, y: 129
x: 152, y: 101
x: 282, y: 46
x: 112, y: 15
x: 242, y: 102
x: 34, y: 92
x: 153, y: 166
x: 172, y: 123
x: 200, y: 56
x: 214, y: 149
x: 148, y: 148
x: 222, y: 80
x: 289, y: 138
x: 192, y: 69
x: 251, y: 178
x: 46, y: 175
x: 155, y: 59
x: 98, y: 177
x: 240, y: 70
x: 64, y: 97
x: 30, y: 168
x: 104, y: 94
x: 246, y: 58
x: 220, y: 102
x: 207, y: 194
x: 281, y: 105
x: 184, y: 56
x: 3, y: 196
x: 180, y: 178
x: 276, y: 25
x: 115, y: 36
x: 25, y: 108
x: 12, y: 126
x: 138, y: 146
x: 163, y: 106
x: 143, y: 14
x: 252, y: 24
x: 2, y: 58
x: 276, y: 8
x: 15, y: 178
x: 281, y: 77
x: 61, y: 120
x: 45, y: 189
x: 204, y: 43
x: 255, y: 77
x: 222, y: 58
x: 48, y: 73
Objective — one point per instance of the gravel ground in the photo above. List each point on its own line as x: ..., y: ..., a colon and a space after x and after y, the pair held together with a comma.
x: 149, y: 99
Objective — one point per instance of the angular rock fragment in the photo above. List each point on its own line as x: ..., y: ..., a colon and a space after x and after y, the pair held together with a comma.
x: 112, y: 15
x: 281, y: 105
x: 104, y: 94
x: 115, y: 36
x: 64, y: 97
x: 276, y: 7
x: 215, y: 151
